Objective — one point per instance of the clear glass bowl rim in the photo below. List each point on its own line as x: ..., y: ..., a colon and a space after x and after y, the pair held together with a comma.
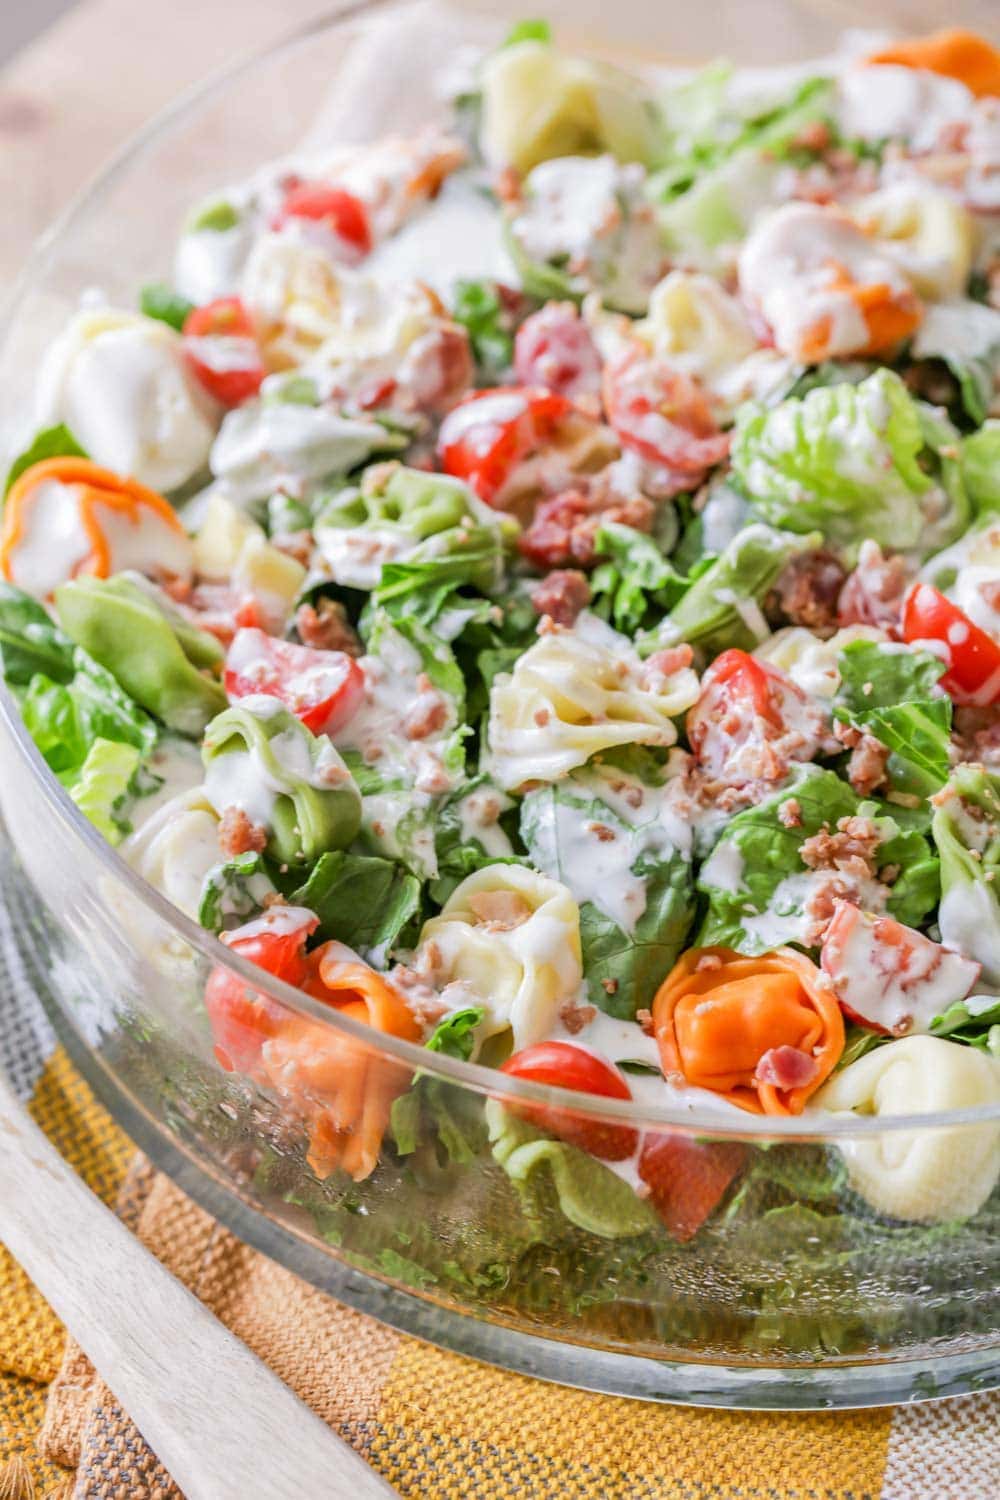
x: 481, y: 1080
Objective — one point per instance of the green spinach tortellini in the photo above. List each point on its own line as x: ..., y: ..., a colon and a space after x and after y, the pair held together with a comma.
x: 264, y: 762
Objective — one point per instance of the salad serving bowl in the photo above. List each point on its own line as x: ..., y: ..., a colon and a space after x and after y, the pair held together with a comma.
x: 798, y: 1293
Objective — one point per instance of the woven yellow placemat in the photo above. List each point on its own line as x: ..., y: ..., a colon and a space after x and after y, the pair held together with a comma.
x: 433, y: 1423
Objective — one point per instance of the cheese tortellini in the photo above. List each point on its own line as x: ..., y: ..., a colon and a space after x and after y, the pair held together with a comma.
x: 119, y: 382
x: 920, y: 1175
x: 926, y: 230
x: 512, y: 937
x: 808, y: 660
x: 175, y: 849
x: 539, y: 104
x: 697, y: 325
x: 575, y: 692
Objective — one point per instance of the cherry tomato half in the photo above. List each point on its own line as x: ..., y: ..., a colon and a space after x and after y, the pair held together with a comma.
x: 243, y: 1019
x: 222, y: 350
x: 973, y: 675
x: 322, y: 688
x: 561, y: 1065
x: 687, y: 1179
x: 335, y: 207
x: 661, y: 414
x: 486, y: 436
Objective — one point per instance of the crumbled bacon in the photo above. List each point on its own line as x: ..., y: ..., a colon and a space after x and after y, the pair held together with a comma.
x: 786, y: 1068
x: 294, y: 544
x: 807, y: 591
x: 325, y: 627
x: 238, y: 835
x: 866, y: 769
x: 564, y: 528
x: 428, y: 713
x: 873, y: 594
x: 790, y: 813
x: 851, y: 850
x: 644, y: 1019
x: 561, y: 595
x: 576, y: 1017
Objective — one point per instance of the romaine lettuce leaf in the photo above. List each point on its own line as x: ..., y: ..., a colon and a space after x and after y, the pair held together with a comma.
x: 157, y: 300
x: 981, y: 468
x: 855, y: 462
x: 105, y: 786
x: 757, y: 885
x: 461, y: 847
x: 633, y: 886
x: 65, y: 718
x: 477, y: 306
x: 975, y: 1021
x: 635, y: 577
x: 451, y: 1115
x: 892, y: 693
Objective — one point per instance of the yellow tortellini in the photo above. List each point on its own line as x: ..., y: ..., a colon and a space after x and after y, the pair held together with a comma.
x: 512, y: 938
x: 920, y: 1175
x: 696, y: 324
x: 926, y: 230
x: 575, y: 692
x: 810, y: 661
x: 539, y: 104
x: 175, y: 849
x: 306, y: 307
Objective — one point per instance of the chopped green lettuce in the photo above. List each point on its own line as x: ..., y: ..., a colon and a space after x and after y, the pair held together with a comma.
x: 855, y: 461
x: 893, y: 694
x: 633, y: 885
x: 981, y: 468
x: 477, y: 306
x: 635, y: 577
x: 29, y: 640
x: 757, y: 885
x: 104, y: 786
x: 157, y: 300
x: 361, y: 900
x: 462, y: 846
x: 975, y: 1021
x: 65, y: 718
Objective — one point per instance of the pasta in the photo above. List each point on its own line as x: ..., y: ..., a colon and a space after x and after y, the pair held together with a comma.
x: 922, y: 1175
x: 925, y: 230
x: 576, y: 692
x: 763, y: 1032
x: 696, y: 324
x: 511, y: 938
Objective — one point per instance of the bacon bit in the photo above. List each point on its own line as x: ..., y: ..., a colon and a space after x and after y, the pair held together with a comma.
x: 807, y: 591
x: 541, y: 717
x: 866, y: 769
x: 238, y: 835
x: 707, y: 962
x: 428, y: 714
x: 294, y: 544
x: 576, y: 1017
x: 873, y: 594
x: 786, y: 1067
x: 561, y: 595
x: 644, y: 1019
x: 790, y: 813
x: 609, y: 986
x: 602, y: 832
x: 564, y: 528
x: 851, y: 850
x: 499, y: 911
x: 666, y: 663
x: 326, y: 627
x: 274, y: 898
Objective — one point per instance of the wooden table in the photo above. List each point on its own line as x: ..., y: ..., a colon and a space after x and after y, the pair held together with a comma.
x: 87, y: 84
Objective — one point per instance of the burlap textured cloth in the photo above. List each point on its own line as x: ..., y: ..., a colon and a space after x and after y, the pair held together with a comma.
x: 434, y: 1424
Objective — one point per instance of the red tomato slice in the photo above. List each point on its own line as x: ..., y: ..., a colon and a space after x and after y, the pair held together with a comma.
x: 744, y: 706
x: 661, y: 413
x: 242, y: 1019
x: 973, y: 675
x: 486, y: 436
x: 561, y: 1065
x: 222, y: 350
x: 335, y: 207
x: 688, y: 1179
x: 322, y: 688
x: 553, y: 349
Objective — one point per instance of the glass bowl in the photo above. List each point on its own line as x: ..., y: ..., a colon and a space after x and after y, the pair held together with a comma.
x: 795, y: 1295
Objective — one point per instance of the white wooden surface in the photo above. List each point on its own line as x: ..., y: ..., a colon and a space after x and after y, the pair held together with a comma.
x: 222, y: 1424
